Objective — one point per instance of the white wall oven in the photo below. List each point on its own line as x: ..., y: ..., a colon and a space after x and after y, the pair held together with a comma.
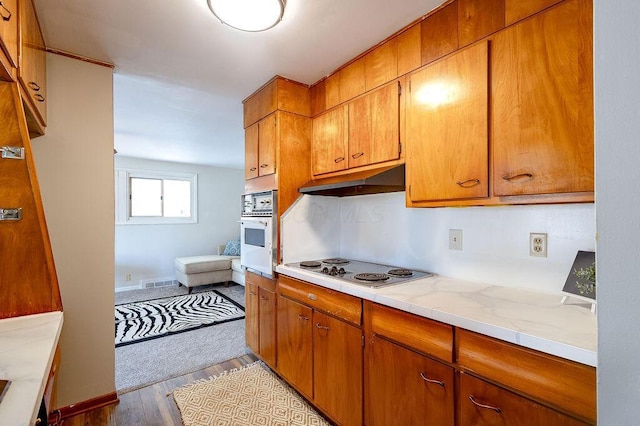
x: 258, y: 232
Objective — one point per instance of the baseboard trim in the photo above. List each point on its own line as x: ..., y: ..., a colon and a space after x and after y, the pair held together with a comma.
x: 61, y: 414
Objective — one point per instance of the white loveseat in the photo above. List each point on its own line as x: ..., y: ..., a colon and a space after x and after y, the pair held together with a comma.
x: 192, y: 271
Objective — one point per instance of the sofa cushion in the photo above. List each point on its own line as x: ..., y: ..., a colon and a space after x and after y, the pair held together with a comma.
x: 198, y: 264
x: 232, y: 248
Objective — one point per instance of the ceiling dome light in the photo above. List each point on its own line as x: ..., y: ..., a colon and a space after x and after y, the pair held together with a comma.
x: 248, y: 15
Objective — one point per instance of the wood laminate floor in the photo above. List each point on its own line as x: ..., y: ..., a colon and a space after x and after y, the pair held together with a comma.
x: 150, y: 406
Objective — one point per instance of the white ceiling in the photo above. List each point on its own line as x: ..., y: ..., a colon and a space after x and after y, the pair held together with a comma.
x: 181, y: 75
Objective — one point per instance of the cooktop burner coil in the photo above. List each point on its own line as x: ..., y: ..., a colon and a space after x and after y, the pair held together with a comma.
x: 335, y: 261
x: 310, y: 264
x: 367, y: 276
x: 400, y: 272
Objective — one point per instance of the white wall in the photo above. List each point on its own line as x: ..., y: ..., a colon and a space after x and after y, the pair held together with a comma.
x: 379, y: 228
x: 147, y: 251
x: 617, y: 111
x: 74, y: 161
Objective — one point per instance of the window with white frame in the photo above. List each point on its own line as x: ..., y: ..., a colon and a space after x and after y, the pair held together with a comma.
x: 153, y: 197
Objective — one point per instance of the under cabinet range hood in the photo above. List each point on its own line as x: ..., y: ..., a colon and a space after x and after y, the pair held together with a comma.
x: 375, y: 181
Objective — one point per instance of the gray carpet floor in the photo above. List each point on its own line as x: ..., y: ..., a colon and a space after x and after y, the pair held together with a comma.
x: 144, y: 363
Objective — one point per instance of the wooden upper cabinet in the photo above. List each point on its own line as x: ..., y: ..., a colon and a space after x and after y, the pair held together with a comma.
x: 251, y: 136
x: 439, y: 33
x: 267, y: 145
x: 278, y: 94
x: 332, y: 90
x: 329, y: 142
x: 409, y: 51
x: 32, y: 71
x: 318, y: 96
x: 478, y: 19
x: 352, y: 80
x: 542, y: 103
x: 517, y: 10
x: 9, y: 33
x: 381, y: 64
x: 374, y: 127
x: 447, y: 131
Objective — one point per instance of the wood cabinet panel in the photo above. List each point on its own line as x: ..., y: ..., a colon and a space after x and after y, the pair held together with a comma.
x: 542, y: 103
x: 333, y: 302
x: 409, y: 50
x: 381, y: 64
x: 565, y: 384
x: 33, y: 63
x: 267, y: 310
x: 267, y: 146
x: 295, y: 344
x: 439, y: 33
x: 478, y: 19
x: 9, y: 31
x: 293, y: 97
x: 277, y: 94
x: 337, y: 369
x: 374, y: 127
x: 481, y: 403
x: 251, y: 137
x: 516, y: 10
x: 406, y: 388
x: 252, y: 319
x: 352, y: 80
x: 424, y: 335
x: 332, y: 90
x: 262, y: 103
x: 329, y: 142
x: 447, y: 130
x: 318, y: 96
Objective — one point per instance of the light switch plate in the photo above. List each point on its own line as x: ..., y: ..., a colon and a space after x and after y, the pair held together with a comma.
x: 455, y: 239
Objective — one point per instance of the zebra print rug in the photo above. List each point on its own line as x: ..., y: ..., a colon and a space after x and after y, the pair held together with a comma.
x: 152, y: 319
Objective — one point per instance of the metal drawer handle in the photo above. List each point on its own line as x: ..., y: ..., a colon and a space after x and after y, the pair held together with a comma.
x: 520, y: 175
x: 302, y: 317
x: 34, y: 86
x: 357, y: 155
x: 324, y: 327
x: 253, y: 169
x: 312, y: 296
x: 428, y: 380
x: 468, y: 183
x: 264, y: 298
x: 262, y: 166
x: 39, y: 97
x: 488, y: 407
x: 5, y: 17
x: 253, y: 293
x: 339, y: 159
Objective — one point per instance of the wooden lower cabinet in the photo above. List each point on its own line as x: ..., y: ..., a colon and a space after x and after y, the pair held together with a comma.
x: 481, y: 403
x: 260, y: 318
x: 252, y: 320
x: 406, y: 388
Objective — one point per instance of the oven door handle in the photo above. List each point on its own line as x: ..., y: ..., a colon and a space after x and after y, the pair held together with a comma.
x: 262, y: 222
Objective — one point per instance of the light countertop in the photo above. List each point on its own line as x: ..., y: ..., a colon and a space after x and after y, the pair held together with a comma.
x: 27, y: 348
x: 527, y: 318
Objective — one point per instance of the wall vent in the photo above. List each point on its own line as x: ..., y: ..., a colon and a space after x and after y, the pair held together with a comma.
x: 158, y: 282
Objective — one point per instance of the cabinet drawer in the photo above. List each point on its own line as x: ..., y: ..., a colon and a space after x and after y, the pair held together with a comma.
x: 422, y: 334
x: 260, y: 281
x: 481, y: 403
x: 338, y: 304
x: 564, y: 384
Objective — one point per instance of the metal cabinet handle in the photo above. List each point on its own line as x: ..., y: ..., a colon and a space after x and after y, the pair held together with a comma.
x: 5, y: 17
x: 264, y: 298
x: 39, y: 97
x: 34, y: 86
x: 468, y: 183
x: 488, y: 407
x: 357, y: 155
x: 253, y: 169
x: 519, y: 175
x: 262, y: 166
x: 253, y: 293
x: 324, y: 327
x: 428, y: 380
x: 339, y: 159
x: 302, y: 317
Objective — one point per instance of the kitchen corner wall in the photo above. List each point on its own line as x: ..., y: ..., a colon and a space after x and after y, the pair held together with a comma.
x: 74, y: 161
x: 379, y: 228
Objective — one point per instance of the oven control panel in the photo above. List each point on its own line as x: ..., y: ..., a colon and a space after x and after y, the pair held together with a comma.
x: 258, y: 204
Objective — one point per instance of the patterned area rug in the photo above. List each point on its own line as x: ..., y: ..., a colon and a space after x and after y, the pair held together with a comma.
x: 252, y: 395
x: 151, y: 319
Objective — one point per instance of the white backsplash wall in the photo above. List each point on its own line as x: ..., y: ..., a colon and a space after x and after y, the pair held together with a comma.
x: 495, y: 243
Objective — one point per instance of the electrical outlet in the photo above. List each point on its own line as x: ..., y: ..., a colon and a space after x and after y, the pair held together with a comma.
x: 538, y: 244
x: 455, y: 239
x: 128, y: 277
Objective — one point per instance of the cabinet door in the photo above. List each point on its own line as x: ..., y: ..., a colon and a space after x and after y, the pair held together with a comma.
x: 374, y: 127
x: 337, y: 369
x: 33, y: 61
x: 447, y: 132
x: 252, y: 318
x: 425, y: 386
x: 542, y: 100
x: 267, y: 326
x: 9, y: 30
x: 267, y: 145
x: 481, y: 403
x: 516, y: 10
x: 295, y: 339
x: 439, y: 33
x: 251, y: 135
x: 329, y: 149
x: 478, y: 19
